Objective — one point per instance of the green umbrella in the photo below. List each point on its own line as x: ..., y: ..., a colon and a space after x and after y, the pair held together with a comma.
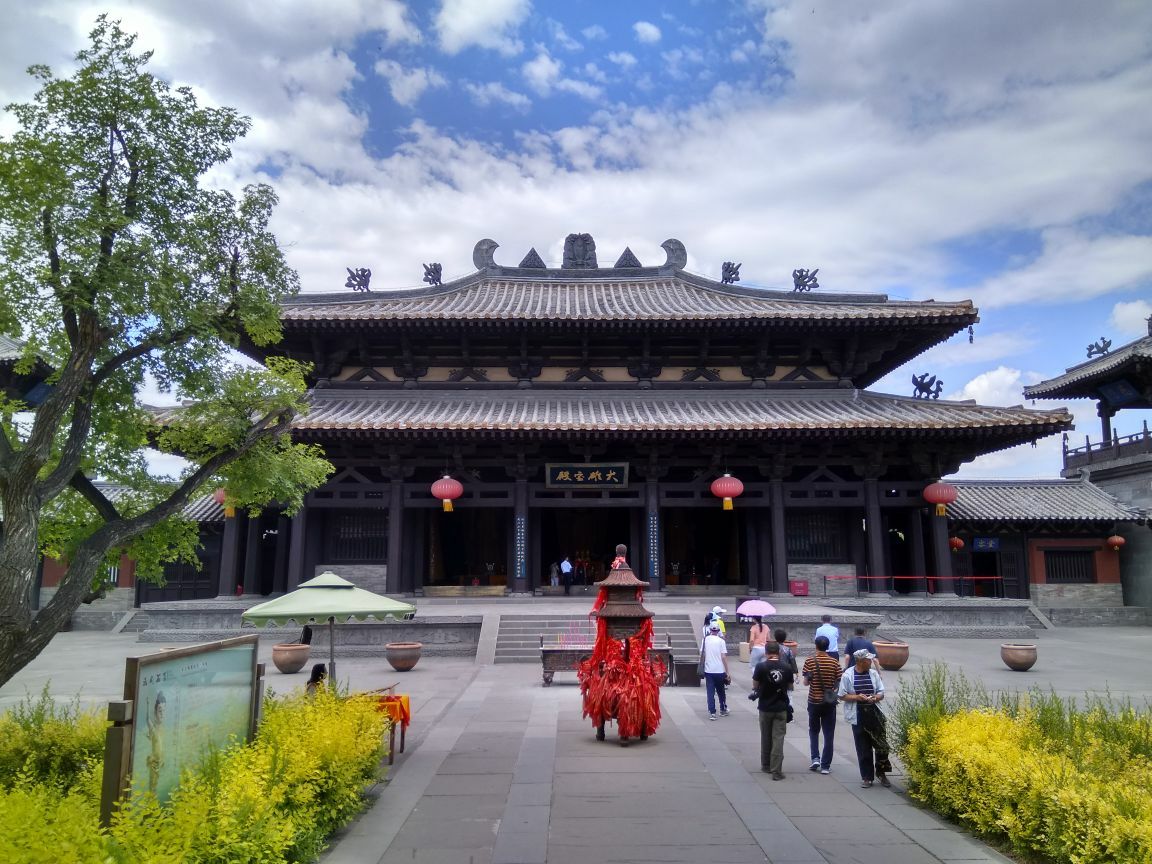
x: 328, y: 598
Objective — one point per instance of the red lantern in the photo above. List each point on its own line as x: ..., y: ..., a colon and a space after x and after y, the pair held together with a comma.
x: 446, y: 489
x: 940, y: 494
x: 956, y: 543
x: 220, y: 496
x: 727, y: 487
x: 1115, y: 541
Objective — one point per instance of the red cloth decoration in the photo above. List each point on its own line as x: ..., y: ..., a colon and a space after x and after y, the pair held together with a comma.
x: 396, y: 707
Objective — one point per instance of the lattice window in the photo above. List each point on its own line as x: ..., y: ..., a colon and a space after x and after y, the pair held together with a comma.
x: 358, y: 535
x: 816, y: 536
x: 1070, y: 566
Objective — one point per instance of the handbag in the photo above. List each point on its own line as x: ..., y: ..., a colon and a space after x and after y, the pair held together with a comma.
x: 827, y: 697
x: 700, y: 662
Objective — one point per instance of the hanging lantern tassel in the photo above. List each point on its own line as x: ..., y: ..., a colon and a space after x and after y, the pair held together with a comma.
x: 446, y: 489
x: 727, y: 488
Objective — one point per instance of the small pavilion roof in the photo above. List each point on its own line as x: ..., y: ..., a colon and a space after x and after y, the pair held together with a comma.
x: 1037, y: 501
x: 1131, y: 363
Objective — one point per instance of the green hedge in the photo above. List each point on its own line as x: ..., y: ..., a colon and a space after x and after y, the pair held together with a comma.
x: 273, y: 800
x: 1043, y: 774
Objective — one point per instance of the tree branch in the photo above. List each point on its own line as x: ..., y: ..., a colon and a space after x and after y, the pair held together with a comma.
x: 57, y: 283
x: 94, y: 496
x: 131, y: 201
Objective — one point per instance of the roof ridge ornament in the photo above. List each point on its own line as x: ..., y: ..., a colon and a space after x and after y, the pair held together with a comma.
x: 433, y: 274
x: 483, y: 252
x: 579, y: 252
x: 533, y: 261
x: 627, y: 260
x: 358, y: 279
x: 677, y: 254
x: 1099, y: 347
x: 730, y: 273
x: 924, y: 387
x: 804, y: 280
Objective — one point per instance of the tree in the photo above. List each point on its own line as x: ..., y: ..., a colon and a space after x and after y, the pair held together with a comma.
x: 119, y: 263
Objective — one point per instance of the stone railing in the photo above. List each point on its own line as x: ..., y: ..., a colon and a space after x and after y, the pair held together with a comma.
x: 1120, y: 447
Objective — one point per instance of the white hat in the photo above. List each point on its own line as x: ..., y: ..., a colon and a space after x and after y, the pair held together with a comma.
x: 863, y: 654
x: 719, y: 610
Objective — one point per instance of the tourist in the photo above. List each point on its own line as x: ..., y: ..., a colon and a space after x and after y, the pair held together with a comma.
x: 832, y: 633
x: 554, y: 575
x: 566, y: 570
x: 854, y: 644
x: 716, y: 616
x: 316, y: 679
x: 757, y: 639
x: 787, y: 655
x: 716, y: 677
x: 822, y: 675
x: 862, y: 691
x: 771, y: 682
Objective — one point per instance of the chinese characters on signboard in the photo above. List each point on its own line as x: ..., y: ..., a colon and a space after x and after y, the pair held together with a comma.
x: 607, y: 475
x: 985, y: 544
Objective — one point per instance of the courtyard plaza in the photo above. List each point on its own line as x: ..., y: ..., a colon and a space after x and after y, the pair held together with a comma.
x: 498, y: 768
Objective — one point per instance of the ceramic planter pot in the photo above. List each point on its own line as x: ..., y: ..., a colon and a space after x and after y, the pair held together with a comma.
x: 290, y: 657
x: 1019, y: 658
x: 891, y: 655
x: 402, y: 655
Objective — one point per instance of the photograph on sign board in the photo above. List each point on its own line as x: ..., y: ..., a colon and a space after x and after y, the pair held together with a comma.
x: 186, y: 707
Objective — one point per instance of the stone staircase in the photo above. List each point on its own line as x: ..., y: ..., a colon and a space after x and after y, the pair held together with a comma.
x: 518, y: 639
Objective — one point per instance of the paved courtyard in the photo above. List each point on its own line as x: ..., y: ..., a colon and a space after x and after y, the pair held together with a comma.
x: 500, y: 769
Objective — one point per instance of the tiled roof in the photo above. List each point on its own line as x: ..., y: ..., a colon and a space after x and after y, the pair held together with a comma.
x: 10, y: 349
x: 664, y: 411
x: 1076, y: 380
x: 1036, y: 501
x: 657, y: 298
x: 197, y: 510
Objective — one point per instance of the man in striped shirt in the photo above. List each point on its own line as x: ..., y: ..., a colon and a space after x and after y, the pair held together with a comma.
x: 822, y: 675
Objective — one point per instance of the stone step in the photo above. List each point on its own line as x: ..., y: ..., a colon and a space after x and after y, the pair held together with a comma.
x: 1098, y: 616
x: 518, y: 639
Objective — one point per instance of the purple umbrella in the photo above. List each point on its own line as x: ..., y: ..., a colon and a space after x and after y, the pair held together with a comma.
x: 755, y: 608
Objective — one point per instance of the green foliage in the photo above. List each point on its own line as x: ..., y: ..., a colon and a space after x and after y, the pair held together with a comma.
x: 121, y: 267
x: 48, y: 743
x: 274, y: 800
x: 1042, y: 772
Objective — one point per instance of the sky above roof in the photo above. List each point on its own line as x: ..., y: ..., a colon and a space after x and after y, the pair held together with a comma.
x: 946, y: 149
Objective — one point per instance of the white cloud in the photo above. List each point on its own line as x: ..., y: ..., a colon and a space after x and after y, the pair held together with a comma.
x: 595, y: 73
x: 490, y: 24
x: 543, y: 75
x: 1131, y: 318
x: 408, y: 85
x: 1073, y: 266
x: 560, y: 36
x: 623, y: 59
x: 594, y: 33
x: 985, y: 347
x: 677, y: 59
x: 646, y: 32
x: 493, y: 92
x: 1000, y: 386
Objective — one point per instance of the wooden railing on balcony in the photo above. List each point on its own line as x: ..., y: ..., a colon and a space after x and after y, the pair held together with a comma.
x: 1121, y: 446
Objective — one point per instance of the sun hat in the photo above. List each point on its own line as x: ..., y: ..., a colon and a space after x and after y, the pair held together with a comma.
x: 719, y: 610
x: 863, y: 654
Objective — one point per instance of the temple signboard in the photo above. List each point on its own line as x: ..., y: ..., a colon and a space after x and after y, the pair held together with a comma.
x: 598, y: 475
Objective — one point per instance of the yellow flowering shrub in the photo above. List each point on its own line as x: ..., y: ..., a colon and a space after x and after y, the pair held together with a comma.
x: 273, y: 800
x: 1000, y: 775
x: 45, y: 742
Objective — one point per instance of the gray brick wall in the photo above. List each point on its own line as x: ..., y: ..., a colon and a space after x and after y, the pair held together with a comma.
x: 819, y: 585
x: 1046, y: 596
x: 370, y: 577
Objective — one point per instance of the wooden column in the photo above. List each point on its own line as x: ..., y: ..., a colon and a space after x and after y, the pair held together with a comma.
x: 919, y: 565
x: 296, y: 549
x: 280, y: 567
x: 395, y: 533
x: 943, y: 555
x: 779, y: 541
x: 252, y: 557
x: 751, y: 517
x: 874, y: 525
x: 229, y: 557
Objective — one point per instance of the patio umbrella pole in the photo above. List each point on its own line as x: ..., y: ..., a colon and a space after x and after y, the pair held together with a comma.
x: 332, y: 651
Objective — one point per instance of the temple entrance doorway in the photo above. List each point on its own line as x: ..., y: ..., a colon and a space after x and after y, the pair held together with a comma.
x: 702, y: 546
x: 468, y: 547
x: 587, y: 536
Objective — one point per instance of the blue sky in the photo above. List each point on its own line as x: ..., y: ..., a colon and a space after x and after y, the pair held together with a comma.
x: 941, y: 149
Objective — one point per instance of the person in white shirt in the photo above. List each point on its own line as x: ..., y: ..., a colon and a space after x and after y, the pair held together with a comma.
x: 832, y: 633
x: 566, y: 571
x: 716, y: 616
x: 715, y: 652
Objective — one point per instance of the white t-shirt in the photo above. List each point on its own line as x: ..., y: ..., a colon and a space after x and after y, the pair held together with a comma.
x: 833, y: 634
x: 565, y: 566
x: 714, y: 649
